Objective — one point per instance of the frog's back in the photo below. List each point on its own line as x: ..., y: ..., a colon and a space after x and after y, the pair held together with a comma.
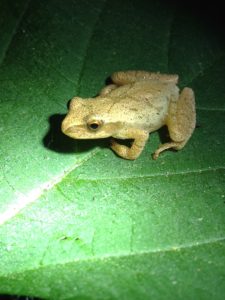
x: 149, y: 89
x: 143, y: 104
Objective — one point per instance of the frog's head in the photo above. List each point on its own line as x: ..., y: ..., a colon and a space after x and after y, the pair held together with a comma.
x: 89, y: 119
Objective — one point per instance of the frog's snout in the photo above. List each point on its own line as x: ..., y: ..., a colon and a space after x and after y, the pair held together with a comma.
x: 65, y: 126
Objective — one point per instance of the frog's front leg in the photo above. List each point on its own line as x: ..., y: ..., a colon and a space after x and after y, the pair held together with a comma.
x: 140, y: 139
x: 181, y: 121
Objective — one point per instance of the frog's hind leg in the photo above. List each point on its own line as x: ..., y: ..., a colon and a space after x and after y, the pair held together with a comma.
x: 126, y: 77
x: 181, y: 121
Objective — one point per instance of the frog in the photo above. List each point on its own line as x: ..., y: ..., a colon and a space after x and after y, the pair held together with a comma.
x: 131, y: 107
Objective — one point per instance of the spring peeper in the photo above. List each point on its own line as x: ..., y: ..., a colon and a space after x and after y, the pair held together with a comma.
x: 136, y: 104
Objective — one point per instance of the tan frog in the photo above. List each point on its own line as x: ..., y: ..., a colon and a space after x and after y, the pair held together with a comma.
x: 136, y: 104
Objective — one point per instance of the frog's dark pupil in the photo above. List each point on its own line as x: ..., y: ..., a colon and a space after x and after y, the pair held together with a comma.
x: 94, y: 125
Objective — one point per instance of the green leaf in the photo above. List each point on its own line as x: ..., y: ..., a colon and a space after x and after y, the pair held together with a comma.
x: 76, y: 221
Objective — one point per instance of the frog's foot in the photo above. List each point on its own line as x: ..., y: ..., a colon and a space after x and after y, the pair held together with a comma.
x: 181, y: 121
x: 120, y: 150
x: 130, y: 152
x: 166, y: 146
x: 124, y: 151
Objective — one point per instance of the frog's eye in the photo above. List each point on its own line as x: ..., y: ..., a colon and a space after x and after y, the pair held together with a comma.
x: 94, y: 125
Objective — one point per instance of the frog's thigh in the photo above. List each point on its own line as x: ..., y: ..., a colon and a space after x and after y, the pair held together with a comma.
x: 182, y: 118
x: 181, y: 121
x: 106, y: 90
x: 135, y: 150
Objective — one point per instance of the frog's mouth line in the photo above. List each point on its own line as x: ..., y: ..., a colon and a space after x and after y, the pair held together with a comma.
x: 74, y: 131
x: 71, y: 129
x: 78, y: 132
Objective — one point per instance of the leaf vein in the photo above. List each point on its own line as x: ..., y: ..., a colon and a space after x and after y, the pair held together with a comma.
x: 14, y: 31
x: 170, y: 249
x: 207, y: 68
x: 88, y: 47
x: 145, y: 176
x: 211, y: 109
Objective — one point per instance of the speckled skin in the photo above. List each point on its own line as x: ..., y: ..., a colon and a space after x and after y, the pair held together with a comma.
x: 136, y: 104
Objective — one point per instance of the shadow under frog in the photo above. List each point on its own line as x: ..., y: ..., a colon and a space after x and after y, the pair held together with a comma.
x: 56, y: 141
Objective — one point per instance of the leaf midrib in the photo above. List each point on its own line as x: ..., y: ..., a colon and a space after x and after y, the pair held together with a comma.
x: 36, y: 193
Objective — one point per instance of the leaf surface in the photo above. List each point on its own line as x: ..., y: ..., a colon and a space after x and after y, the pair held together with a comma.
x: 76, y: 221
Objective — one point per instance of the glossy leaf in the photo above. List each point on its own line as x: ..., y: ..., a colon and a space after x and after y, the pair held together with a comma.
x: 76, y: 221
